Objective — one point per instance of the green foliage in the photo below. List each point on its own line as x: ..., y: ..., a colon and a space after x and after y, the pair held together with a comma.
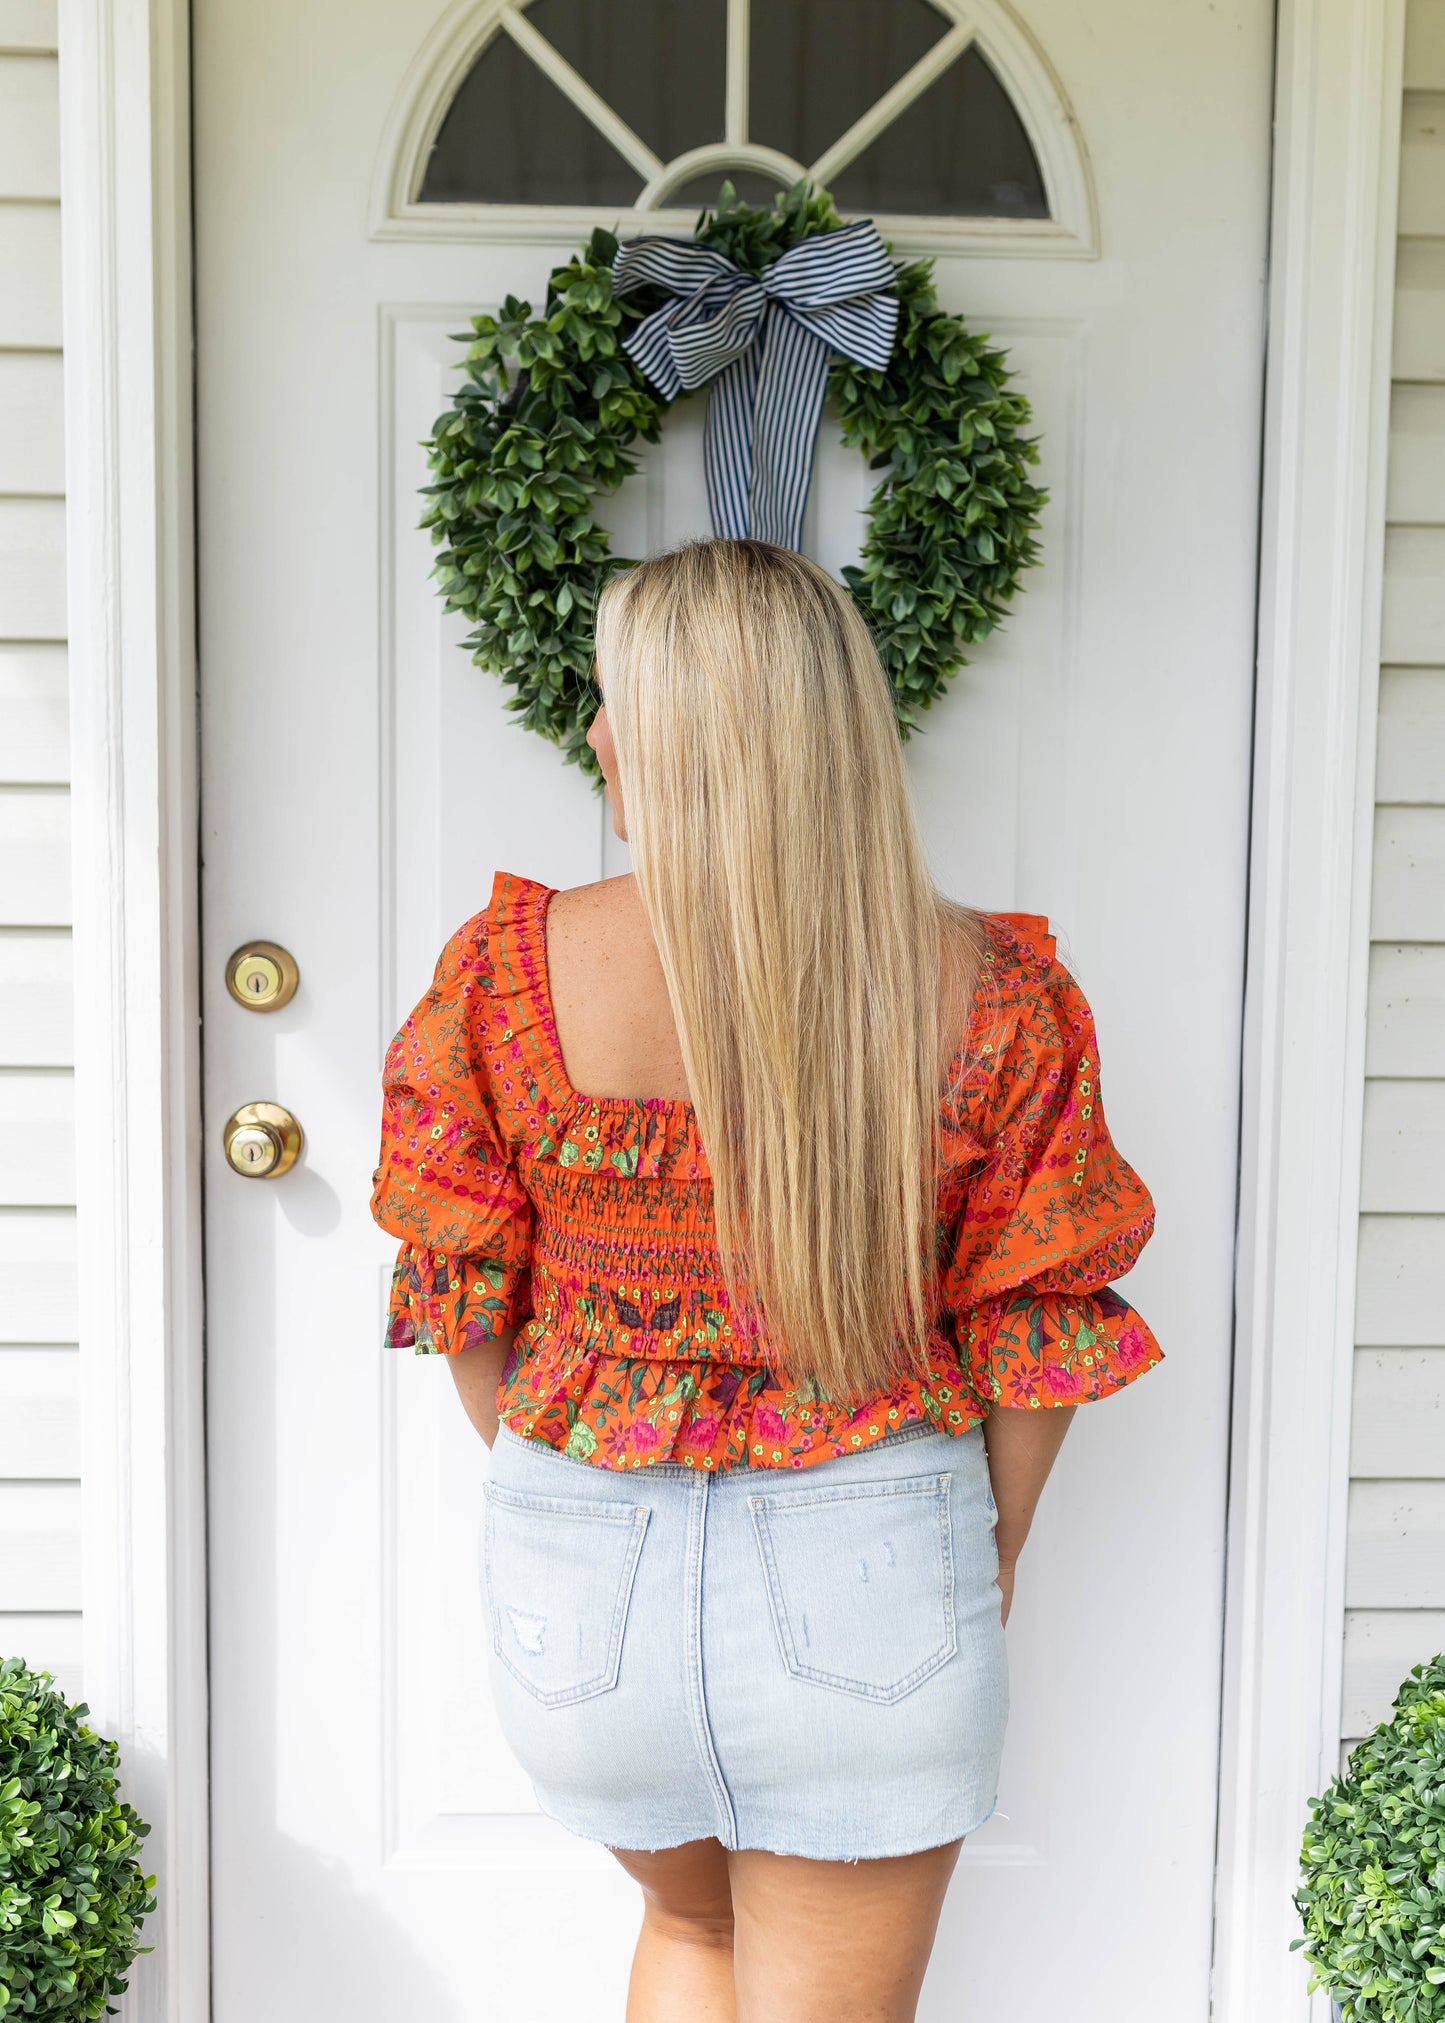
x: 1373, y: 1862
x: 72, y: 1894
x: 551, y: 406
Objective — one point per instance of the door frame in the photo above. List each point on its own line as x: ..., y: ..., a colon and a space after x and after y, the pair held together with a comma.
x: 125, y: 119
x: 129, y: 445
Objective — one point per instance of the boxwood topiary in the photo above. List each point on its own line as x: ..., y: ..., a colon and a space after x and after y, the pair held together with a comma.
x: 72, y: 1892
x: 1373, y: 1863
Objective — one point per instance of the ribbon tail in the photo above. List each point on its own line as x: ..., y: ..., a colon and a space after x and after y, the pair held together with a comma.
x: 727, y: 446
x: 786, y: 414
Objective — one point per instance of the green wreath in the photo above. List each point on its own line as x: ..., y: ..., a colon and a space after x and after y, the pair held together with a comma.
x: 551, y: 408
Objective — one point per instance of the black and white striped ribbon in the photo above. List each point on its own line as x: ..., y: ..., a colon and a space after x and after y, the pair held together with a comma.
x: 765, y: 341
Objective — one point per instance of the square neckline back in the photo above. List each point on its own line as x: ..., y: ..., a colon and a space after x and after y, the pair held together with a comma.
x: 542, y: 895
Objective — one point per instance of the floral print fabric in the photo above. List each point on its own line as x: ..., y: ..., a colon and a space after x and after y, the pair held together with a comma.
x: 585, y: 1222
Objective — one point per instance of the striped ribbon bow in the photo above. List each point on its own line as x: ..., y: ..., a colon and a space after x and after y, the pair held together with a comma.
x: 766, y: 341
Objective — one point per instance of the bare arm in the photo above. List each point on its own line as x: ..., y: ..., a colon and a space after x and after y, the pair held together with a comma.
x: 1022, y: 1446
x: 476, y: 1372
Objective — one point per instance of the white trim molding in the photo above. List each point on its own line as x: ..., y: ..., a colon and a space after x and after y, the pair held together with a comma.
x: 1337, y: 126
x: 125, y: 126
x: 461, y: 34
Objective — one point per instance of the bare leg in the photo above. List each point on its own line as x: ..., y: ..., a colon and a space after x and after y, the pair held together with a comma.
x: 683, y: 1966
x: 834, y: 1941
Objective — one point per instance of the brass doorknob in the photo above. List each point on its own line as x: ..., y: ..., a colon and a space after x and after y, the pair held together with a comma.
x: 262, y: 1140
x: 262, y: 976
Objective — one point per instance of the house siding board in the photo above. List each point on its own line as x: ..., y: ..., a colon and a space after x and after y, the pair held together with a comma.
x: 40, y: 1497
x: 39, y: 1547
x: 37, y: 1129
x: 28, y: 27
x: 32, y: 436
x: 39, y: 1414
x: 1415, y: 486
x: 1400, y: 1298
x: 34, y: 857
x: 1408, y: 898
x: 29, y: 127
x: 1425, y: 46
x: 32, y: 569
x: 1397, y: 1427
x: 1402, y: 1171
x: 1422, y: 176
x: 37, y: 1277
x: 1395, y: 1559
x: 1413, y: 631
x: 1419, y: 344
x: 50, y: 1643
x: 1405, y: 1027
x: 1380, y: 1647
x: 29, y: 277
x: 1411, y: 751
x: 35, y: 713
x: 36, y: 998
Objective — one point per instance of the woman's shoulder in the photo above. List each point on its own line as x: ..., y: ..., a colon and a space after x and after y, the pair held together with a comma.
x: 1027, y: 1009
x: 1018, y: 970
x: 514, y: 913
x: 607, y: 906
x: 519, y: 901
x: 1022, y: 943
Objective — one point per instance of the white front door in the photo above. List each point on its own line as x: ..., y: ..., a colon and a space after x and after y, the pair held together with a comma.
x: 376, y: 1852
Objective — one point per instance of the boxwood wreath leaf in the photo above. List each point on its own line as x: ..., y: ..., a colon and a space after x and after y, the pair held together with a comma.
x: 550, y: 412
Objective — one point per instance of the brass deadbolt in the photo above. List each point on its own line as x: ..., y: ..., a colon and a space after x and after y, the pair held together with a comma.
x: 262, y: 976
x: 262, y: 1140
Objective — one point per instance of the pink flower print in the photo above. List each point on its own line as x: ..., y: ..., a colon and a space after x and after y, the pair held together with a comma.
x: 617, y: 1441
x: 702, y: 1432
x: 645, y: 1435
x: 1061, y: 1382
x: 1133, y: 1348
x: 768, y: 1423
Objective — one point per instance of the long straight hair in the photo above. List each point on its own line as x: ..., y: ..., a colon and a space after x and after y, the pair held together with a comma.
x: 818, y: 980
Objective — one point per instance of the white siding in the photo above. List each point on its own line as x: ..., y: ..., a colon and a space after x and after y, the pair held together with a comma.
x: 39, y: 1394
x: 1395, y: 1575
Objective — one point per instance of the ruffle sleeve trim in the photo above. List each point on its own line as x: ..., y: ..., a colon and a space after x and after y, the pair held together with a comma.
x: 1034, y: 1349
x: 1054, y: 1213
x: 442, y: 1304
x: 446, y: 1183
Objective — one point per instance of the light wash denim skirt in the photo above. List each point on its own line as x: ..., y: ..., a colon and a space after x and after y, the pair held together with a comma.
x: 808, y: 1661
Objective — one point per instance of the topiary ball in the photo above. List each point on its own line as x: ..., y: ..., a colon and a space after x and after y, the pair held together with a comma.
x: 72, y: 1892
x: 1373, y: 1863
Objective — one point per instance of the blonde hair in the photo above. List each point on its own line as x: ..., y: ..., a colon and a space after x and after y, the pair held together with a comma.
x: 818, y: 979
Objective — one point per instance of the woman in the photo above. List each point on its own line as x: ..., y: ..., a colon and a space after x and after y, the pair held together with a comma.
x: 776, y: 1330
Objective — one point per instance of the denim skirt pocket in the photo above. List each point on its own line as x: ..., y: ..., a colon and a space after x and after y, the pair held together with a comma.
x: 559, y: 1574
x: 860, y: 1582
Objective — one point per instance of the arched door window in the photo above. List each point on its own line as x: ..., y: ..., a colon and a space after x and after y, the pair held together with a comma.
x: 934, y: 111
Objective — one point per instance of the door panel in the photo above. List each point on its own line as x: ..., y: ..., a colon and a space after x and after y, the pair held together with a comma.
x: 376, y: 1851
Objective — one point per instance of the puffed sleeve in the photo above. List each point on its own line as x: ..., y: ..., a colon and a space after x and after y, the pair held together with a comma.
x: 1051, y: 1216
x: 447, y: 1184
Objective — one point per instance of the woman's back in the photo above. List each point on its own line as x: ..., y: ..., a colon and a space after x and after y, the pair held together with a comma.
x: 615, y: 1023
x: 571, y: 1197
x: 614, y: 1018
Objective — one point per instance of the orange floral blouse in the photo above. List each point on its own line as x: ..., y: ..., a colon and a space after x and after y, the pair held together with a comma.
x: 585, y: 1222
